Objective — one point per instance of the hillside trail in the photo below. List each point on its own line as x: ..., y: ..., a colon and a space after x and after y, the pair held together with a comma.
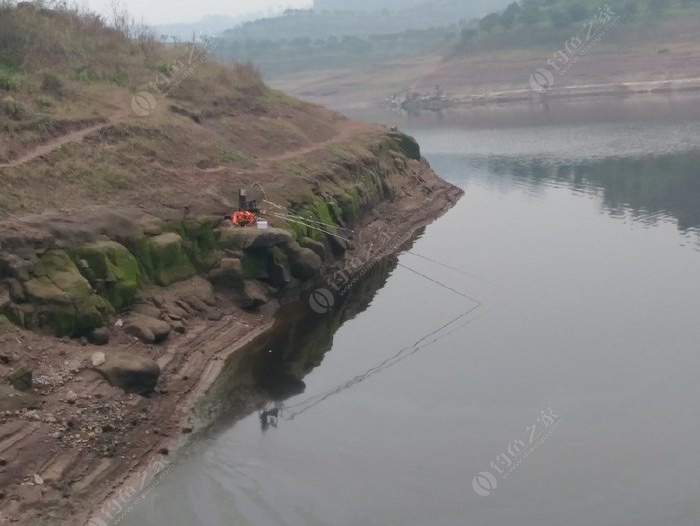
x: 120, y: 113
x: 349, y: 129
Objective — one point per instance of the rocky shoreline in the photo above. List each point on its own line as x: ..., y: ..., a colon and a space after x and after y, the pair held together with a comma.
x: 154, y: 305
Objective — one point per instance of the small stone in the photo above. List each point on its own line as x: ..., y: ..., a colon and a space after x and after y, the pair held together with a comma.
x: 98, y: 358
x: 83, y: 341
x: 187, y: 430
x: 164, y: 451
x: 71, y: 397
x: 38, y: 480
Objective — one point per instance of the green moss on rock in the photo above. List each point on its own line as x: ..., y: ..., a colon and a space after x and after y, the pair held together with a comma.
x: 63, y: 302
x: 200, y: 239
x: 350, y: 205
x: 408, y: 145
x: 167, y: 257
x: 116, y: 271
x: 255, y: 264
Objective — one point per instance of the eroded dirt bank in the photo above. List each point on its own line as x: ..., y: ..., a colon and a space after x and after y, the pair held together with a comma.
x: 71, y: 440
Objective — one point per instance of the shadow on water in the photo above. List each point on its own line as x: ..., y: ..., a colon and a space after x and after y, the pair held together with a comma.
x: 271, y: 369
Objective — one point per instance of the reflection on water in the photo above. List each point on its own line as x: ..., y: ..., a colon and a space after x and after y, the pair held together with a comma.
x: 652, y: 189
x: 271, y: 369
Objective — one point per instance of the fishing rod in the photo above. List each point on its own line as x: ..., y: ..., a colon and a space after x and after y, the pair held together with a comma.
x: 302, y: 223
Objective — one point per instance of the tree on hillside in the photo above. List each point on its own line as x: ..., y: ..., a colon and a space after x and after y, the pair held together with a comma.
x: 510, y: 15
x: 530, y: 14
x: 489, y: 22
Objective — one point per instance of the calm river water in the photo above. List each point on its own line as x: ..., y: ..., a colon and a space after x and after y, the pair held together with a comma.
x: 568, y: 378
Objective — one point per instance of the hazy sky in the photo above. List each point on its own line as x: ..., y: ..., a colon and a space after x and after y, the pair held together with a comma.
x: 169, y: 11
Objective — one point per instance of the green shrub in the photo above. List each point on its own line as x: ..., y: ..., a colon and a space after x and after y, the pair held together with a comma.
x: 9, y: 81
x: 50, y: 83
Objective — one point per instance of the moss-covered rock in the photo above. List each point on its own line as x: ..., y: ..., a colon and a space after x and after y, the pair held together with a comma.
x: 62, y: 301
x: 305, y: 264
x: 350, y: 205
x: 255, y: 264
x: 408, y: 145
x: 21, y: 379
x: 168, y: 260
x: 279, y: 269
x: 318, y: 247
x: 115, y: 271
x: 200, y: 238
x: 227, y: 274
x: 246, y: 238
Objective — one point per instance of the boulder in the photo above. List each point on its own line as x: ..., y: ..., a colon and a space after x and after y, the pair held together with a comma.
x: 168, y: 259
x: 305, y: 263
x: 236, y: 238
x: 147, y: 309
x: 228, y: 273
x: 16, y: 291
x: 113, y: 270
x: 196, y: 291
x: 279, y: 269
x: 99, y: 336
x: 146, y: 329
x: 62, y: 301
x: 131, y: 372
x: 21, y: 379
x: 338, y: 246
x: 255, y: 264
x: 318, y: 247
x: 250, y: 294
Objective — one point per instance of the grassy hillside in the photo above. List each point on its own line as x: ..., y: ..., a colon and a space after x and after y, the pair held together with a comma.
x: 64, y: 72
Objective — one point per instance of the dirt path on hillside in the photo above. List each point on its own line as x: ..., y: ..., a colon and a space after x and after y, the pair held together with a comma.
x: 120, y: 113
x: 51, y: 146
x: 349, y: 129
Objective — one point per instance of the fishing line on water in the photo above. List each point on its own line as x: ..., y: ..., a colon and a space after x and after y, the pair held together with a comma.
x: 439, y: 283
x: 399, y: 356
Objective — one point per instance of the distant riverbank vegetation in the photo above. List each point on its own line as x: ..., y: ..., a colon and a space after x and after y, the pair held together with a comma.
x: 303, y: 39
x: 534, y: 23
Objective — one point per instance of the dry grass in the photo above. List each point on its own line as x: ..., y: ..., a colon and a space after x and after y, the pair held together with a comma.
x: 73, y: 69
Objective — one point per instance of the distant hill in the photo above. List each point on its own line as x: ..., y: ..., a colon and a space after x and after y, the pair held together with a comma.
x: 366, y: 6
x: 210, y: 24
